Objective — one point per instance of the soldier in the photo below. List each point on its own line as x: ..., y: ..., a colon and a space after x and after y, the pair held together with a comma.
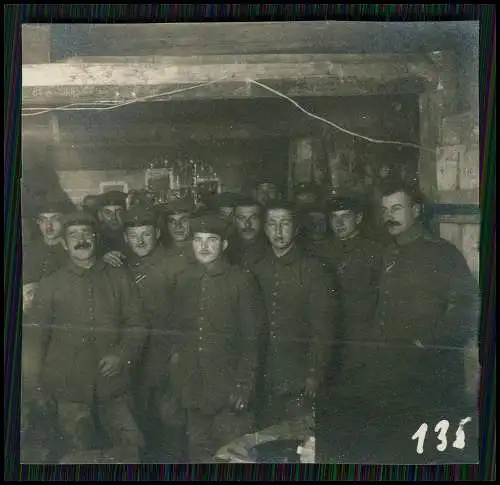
x: 179, y: 249
x: 427, y: 314
x: 300, y: 302
x: 93, y: 331
x: 266, y: 191
x: 110, y: 207
x: 45, y: 254
x: 149, y: 265
x: 356, y: 262
x: 219, y: 306
x: 250, y: 244
x: 314, y: 234
x: 41, y: 257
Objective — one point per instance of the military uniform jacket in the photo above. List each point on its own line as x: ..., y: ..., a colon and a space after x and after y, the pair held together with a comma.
x: 180, y: 258
x: 86, y: 315
x: 426, y: 313
x: 153, y: 278
x: 300, y: 303
x: 357, y: 263
x: 41, y: 260
x: 247, y: 256
x: 220, y: 312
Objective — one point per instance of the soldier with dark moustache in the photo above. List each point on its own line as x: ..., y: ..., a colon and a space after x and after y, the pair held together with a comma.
x: 92, y: 333
x: 413, y: 372
x: 149, y: 265
x: 179, y: 250
x: 110, y: 207
x: 250, y: 244
x: 219, y: 308
x: 300, y: 302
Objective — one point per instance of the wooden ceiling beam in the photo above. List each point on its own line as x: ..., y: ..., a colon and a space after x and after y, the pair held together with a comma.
x: 304, y: 75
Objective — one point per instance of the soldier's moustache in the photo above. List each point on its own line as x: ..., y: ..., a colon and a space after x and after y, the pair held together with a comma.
x: 82, y: 245
x: 392, y: 223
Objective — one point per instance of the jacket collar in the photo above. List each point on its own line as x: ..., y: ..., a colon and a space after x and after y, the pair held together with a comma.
x: 416, y: 231
x: 219, y: 268
x: 289, y: 258
x: 79, y: 271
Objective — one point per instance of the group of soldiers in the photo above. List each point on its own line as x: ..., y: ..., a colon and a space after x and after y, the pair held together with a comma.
x: 160, y: 334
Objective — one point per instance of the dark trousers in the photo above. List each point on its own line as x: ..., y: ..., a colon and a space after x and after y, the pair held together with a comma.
x: 207, y: 433
x: 163, y: 423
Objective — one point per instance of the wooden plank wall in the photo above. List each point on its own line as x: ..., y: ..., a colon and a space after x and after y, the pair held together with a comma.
x: 457, y: 173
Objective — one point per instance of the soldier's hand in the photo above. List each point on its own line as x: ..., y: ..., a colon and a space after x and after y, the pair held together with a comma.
x: 311, y: 387
x: 110, y: 366
x: 114, y: 258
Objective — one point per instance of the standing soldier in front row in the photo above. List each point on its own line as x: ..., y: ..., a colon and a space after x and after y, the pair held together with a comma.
x: 149, y: 265
x: 300, y: 303
x: 92, y: 334
x: 356, y: 261
x: 219, y: 308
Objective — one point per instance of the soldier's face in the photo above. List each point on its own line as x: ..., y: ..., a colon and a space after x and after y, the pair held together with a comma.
x: 316, y: 225
x: 50, y: 225
x: 142, y: 240
x: 112, y: 216
x: 399, y: 213
x: 266, y: 192
x: 345, y: 223
x: 280, y: 228
x: 81, y: 242
x: 208, y: 247
x: 248, y: 222
x: 178, y: 227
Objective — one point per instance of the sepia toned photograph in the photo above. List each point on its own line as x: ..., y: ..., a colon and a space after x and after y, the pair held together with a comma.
x: 250, y: 243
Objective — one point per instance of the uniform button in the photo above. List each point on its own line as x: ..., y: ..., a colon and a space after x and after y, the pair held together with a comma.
x: 275, y: 293
x: 272, y: 323
x: 274, y: 303
x: 200, y: 338
x: 200, y: 348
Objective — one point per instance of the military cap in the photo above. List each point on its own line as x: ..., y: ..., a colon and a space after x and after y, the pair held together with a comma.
x: 309, y: 208
x: 82, y: 218
x: 247, y: 202
x: 224, y: 199
x: 140, y: 215
x: 113, y: 197
x: 342, y: 203
x: 176, y: 206
x: 283, y: 205
x: 210, y: 223
x: 54, y: 206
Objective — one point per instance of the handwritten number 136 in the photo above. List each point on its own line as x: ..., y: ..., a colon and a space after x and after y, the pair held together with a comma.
x: 441, y: 429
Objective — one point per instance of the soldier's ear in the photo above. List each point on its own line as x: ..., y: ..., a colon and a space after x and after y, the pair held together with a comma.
x: 158, y: 233
x: 225, y: 244
x: 417, y: 209
x: 359, y: 218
